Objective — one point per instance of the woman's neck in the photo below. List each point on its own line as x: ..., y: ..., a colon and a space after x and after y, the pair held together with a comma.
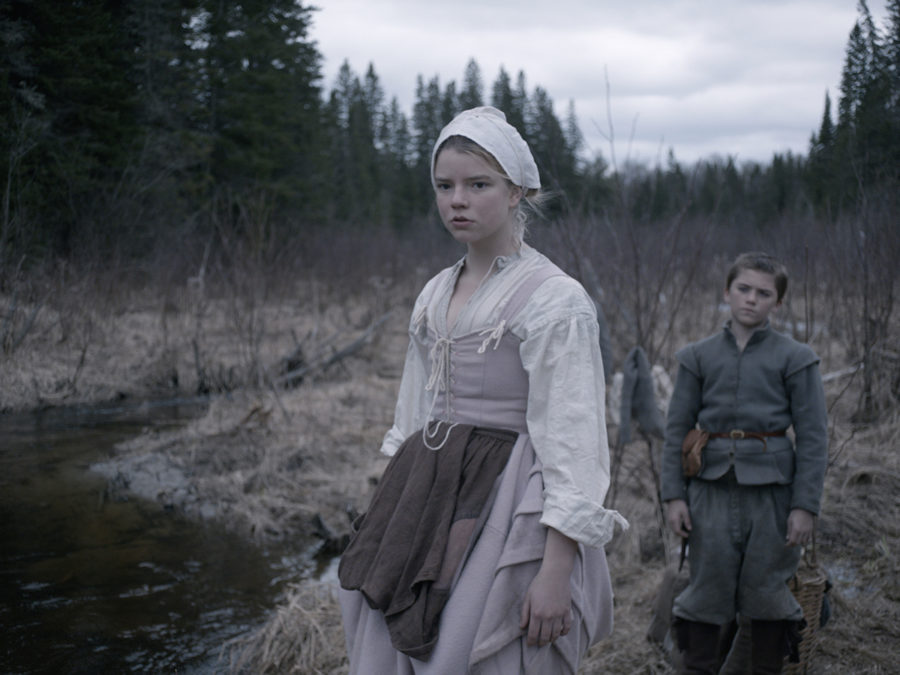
x: 479, y: 260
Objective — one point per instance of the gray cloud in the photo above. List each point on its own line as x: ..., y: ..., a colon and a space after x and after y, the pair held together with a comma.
x: 735, y: 77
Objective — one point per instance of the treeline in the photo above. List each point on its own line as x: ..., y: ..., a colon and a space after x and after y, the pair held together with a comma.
x: 127, y: 124
x: 381, y: 155
x: 862, y: 149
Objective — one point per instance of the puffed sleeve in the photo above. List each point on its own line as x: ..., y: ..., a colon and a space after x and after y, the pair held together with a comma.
x: 410, y: 409
x: 566, y: 412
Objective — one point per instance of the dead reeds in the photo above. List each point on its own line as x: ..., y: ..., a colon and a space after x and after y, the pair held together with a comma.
x: 304, y: 635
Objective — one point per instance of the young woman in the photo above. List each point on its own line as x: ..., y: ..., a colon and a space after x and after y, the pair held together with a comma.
x: 482, y: 547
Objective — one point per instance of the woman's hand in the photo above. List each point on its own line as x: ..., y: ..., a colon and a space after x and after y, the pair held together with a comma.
x: 547, y: 609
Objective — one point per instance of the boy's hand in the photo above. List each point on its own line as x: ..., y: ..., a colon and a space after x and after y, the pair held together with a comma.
x: 678, y: 517
x: 799, y: 527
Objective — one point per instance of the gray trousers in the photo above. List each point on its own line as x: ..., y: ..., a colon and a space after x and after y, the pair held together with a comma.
x: 739, y: 562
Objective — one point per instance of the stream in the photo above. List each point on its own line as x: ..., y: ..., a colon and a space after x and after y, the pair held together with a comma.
x: 94, y: 585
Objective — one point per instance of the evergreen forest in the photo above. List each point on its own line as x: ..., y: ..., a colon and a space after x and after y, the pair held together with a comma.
x: 128, y: 124
x: 157, y: 144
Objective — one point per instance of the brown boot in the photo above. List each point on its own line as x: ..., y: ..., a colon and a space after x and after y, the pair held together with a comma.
x: 736, y: 660
x: 699, y: 645
x: 769, y: 646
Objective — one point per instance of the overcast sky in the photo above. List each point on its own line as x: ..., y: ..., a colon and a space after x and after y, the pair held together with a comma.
x: 745, y: 78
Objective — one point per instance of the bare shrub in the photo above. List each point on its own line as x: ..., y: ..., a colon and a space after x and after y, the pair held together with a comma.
x: 18, y: 318
x: 859, y: 265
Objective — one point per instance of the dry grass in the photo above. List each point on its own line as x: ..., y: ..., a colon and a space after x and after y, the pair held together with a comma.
x: 304, y: 635
x: 266, y: 461
x: 857, y: 543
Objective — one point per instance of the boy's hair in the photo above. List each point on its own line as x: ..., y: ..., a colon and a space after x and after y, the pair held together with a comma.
x: 759, y: 262
x: 532, y: 196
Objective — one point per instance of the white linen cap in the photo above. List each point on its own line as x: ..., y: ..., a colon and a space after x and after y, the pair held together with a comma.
x: 487, y: 126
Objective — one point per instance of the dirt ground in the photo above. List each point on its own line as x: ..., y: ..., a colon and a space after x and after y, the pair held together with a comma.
x: 272, y: 461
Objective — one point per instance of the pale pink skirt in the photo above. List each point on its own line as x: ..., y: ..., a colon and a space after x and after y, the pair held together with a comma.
x: 479, y: 627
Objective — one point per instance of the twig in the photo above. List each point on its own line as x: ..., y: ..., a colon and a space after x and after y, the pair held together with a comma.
x: 657, y: 494
x: 806, y: 291
x: 74, y: 379
x: 838, y: 374
x: 7, y: 322
x: 26, y: 328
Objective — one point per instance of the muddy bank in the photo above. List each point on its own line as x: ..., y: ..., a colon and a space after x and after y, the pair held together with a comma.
x: 265, y: 459
x: 265, y: 466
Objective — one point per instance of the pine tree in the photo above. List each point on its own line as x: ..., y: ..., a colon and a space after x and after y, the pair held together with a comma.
x: 853, y: 79
x: 501, y: 92
x: 259, y: 82
x: 472, y: 94
x: 72, y: 105
x: 892, y: 51
x: 825, y: 138
x: 571, y: 131
x: 23, y: 122
x: 356, y: 109
x: 165, y: 183
x: 398, y: 183
x: 518, y: 114
x: 449, y: 103
x: 398, y: 135
x: 373, y: 100
x: 892, y: 66
x: 556, y: 160
x: 820, y: 179
x: 427, y: 121
x: 512, y: 103
x: 866, y: 133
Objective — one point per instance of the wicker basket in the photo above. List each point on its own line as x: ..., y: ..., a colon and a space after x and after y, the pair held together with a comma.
x: 808, y: 587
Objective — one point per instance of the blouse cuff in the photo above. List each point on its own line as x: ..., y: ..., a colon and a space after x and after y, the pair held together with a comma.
x: 393, y: 439
x: 591, y: 529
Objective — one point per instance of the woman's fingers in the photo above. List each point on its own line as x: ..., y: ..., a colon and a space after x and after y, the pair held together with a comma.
x: 544, y: 632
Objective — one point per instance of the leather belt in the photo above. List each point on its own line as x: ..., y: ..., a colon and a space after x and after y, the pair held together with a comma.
x: 740, y: 434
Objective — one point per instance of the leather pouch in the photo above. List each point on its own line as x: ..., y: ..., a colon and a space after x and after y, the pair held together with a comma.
x: 692, y: 452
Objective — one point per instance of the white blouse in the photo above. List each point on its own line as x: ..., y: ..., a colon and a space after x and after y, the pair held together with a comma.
x: 560, y: 351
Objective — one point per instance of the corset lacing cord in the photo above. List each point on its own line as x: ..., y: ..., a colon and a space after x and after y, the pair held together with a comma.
x: 438, y: 381
x: 495, y: 334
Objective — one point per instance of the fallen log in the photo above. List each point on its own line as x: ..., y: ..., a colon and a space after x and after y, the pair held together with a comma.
x: 294, y: 377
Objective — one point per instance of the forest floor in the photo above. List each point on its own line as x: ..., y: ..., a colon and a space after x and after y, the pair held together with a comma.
x: 271, y: 462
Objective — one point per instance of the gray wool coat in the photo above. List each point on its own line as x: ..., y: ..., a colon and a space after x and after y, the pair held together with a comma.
x: 773, y: 384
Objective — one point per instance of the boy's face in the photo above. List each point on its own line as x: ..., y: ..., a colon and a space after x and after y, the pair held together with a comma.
x: 752, y: 296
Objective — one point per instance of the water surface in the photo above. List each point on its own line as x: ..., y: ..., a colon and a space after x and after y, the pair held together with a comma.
x: 94, y: 585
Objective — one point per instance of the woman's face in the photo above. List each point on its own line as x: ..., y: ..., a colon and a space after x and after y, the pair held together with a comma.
x: 477, y: 205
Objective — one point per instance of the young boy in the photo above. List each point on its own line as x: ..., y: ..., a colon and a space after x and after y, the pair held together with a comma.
x: 751, y: 506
